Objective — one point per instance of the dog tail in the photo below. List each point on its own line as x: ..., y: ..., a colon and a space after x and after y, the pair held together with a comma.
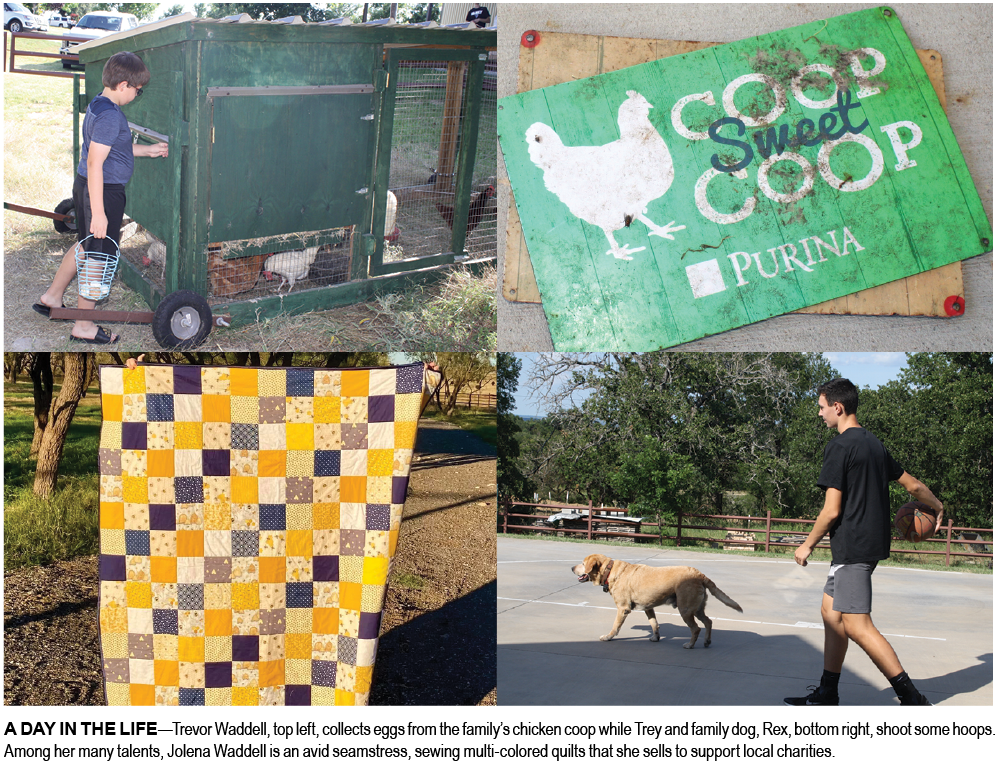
x: 718, y: 593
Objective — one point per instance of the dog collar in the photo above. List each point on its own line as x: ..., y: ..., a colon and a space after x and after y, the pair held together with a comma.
x: 605, y: 581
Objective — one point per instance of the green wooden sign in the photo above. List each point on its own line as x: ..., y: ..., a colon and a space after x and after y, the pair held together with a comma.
x: 702, y: 192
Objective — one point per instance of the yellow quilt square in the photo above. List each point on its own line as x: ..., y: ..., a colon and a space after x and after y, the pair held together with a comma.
x: 364, y: 674
x: 350, y: 595
x: 355, y: 383
x: 375, y: 570
x: 327, y: 410
x: 300, y: 463
x: 114, y: 619
x: 215, y: 408
x: 245, y: 696
x: 272, y: 382
x: 160, y: 463
x: 245, y: 490
x: 112, y: 541
x: 299, y: 517
x: 297, y: 671
x: 187, y: 435
x: 299, y: 646
x: 133, y: 380
x: 164, y: 647
x: 325, y: 515
x: 271, y: 673
x: 218, y: 696
x: 299, y: 543
x: 218, y: 517
x: 245, y: 596
x: 300, y: 436
x: 243, y: 382
x: 139, y: 594
x: 272, y: 464
x: 299, y: 620
x: 111, y: 407
x: 159, y: 379
x: 110, y: 434
x: 135, y: 489
x: 325, y: 620
x: 190, y: 649
x: 218, y: 623
x: 164, y: 569
x: 190, y: 543
x: 405, y: 433
x: 245, y: 410
x: 353, y: 489
x: 379, y: 461
x: 142, y: 695
x: 167, y: 673
x: 272, y: 570
x: 408, y: 407
x: 114, y: 644
x: 217, y: 649
x: 112, y: 515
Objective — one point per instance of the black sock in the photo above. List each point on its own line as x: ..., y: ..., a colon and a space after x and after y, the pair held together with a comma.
x: 829, y: 681
x: 903, y: 686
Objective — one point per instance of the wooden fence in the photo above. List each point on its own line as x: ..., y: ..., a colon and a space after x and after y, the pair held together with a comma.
x: 513, y: 518
x: 476, y: 401
x: 14, y: 52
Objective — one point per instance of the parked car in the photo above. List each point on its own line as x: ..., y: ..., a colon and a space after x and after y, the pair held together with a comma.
x: 96, y: 24
x: 57, y: 20
x: 17, y: 18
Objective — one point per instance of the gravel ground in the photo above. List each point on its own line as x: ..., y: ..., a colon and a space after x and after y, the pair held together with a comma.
x: 438, y: 635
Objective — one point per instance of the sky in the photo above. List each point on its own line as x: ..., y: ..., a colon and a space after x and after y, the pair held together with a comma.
x: 864, y: 369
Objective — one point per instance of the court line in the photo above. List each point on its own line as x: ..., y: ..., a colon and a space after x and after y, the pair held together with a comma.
x: 659, y: 614
x: 641, y: 561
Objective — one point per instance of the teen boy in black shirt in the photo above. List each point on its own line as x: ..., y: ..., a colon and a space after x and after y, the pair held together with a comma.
x: 855, y: 477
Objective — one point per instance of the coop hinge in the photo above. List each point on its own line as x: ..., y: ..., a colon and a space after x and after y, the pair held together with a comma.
x: 367, y: 118
x: 381, y: 78
x: 363, y: 190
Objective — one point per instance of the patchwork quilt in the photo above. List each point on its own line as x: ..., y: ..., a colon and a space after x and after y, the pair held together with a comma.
x: 248, y: 518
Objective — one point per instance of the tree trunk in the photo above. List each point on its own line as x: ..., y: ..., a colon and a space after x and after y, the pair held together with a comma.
x: 77, y: 372
x: 41, y: 380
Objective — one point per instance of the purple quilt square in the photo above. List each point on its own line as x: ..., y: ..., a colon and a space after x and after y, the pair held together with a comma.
x: 245, y: 648
x: 140, y: 647
x: 298, y: 695
x: 116, y: 670
x: 399, y: 485
x: 273, y: 517
x: 187, y: 380
x: 273, y: 409
x: 408, y: 379
x: 245, y: 437
x: 215, y: 461
x: 190, y: 596
x: 110, y: 461
x: 162, y: 517
x: 133, y: 436
x: 217, y: 570
x: 347, y: 650
x: 137, y: 543
x: 355, y: 437
x: 112, y: 567
x: 298, y: 594
x: 378, y: 517
x: 327, y: 463
x: 352, y: 542
x: 325, y: 568
x: 245, y: 543
x: 299, y: 490
x: 165, y: 622
x: 370, y: 625
x: 188, y: 489
x: 300, y: 382
x: 381, y: 408
x: 218, y: 674
x: 191, y: 696
x: 159, y: 407
x: 272, y: 621
x: 324, y: 673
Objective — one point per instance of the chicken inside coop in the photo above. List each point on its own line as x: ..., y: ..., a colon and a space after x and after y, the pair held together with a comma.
x: 482, y: 206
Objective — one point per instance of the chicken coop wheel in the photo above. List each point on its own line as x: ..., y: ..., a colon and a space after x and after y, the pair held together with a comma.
x: 65, y: 207
x: 182, y: 320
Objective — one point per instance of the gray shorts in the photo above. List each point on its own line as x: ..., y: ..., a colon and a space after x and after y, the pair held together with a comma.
x: 850, y: 586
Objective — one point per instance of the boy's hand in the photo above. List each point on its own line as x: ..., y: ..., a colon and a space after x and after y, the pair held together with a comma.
x: 98, y: 225
x: 159, y: 150
x: 802, y: 553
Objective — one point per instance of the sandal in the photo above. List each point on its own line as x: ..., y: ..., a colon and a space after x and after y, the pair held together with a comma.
x: 101, y: 338
x: 40, y: 307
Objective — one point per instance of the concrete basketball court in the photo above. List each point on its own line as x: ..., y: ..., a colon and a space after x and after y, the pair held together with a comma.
x: 549, y: 653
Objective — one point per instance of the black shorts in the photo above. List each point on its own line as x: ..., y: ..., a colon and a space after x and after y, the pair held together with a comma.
x: 114, y: 209
x: 850, y: 586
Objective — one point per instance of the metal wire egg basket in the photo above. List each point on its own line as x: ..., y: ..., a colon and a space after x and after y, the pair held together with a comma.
x: 95, y: 269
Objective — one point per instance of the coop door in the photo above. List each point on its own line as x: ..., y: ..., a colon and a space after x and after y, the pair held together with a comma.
x: 436, y: 155
x: 289, y: 160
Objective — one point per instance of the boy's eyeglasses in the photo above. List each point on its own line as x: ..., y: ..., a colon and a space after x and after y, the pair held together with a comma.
x: 138, y: 91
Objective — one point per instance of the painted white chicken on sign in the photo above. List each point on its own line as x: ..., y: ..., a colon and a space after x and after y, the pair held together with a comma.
x: 609, y: 186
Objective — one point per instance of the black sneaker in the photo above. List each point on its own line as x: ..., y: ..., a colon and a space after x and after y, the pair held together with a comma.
x: 819, y: 697
x: 917, y: 699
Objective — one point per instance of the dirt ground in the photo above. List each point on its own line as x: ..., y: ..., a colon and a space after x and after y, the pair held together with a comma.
x: 438, y: 634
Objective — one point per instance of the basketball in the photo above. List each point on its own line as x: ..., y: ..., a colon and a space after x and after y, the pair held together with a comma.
x: 915, y: 521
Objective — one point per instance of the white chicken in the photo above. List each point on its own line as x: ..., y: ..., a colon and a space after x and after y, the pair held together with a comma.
x: 290, y: 266
x: 609, y: 186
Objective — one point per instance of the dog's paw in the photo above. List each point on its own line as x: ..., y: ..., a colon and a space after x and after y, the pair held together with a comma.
x: 605, y: 637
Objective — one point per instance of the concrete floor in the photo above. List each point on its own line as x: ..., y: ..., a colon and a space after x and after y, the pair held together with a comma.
x: 962, y: 33
x: 549, y: 653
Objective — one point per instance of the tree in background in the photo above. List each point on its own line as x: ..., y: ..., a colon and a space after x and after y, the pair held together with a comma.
x: 462, y: 373
x: 74, y: 384
x: 510, y: 479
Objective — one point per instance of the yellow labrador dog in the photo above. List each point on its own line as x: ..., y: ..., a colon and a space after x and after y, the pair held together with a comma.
x: 641, y: 587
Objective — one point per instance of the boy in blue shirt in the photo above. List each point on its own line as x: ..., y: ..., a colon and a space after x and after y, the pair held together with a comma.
x: 106, y: 164
x: 855, y: 476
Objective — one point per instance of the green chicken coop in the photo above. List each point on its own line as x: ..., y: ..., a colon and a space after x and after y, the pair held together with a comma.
x: 310, y: 165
